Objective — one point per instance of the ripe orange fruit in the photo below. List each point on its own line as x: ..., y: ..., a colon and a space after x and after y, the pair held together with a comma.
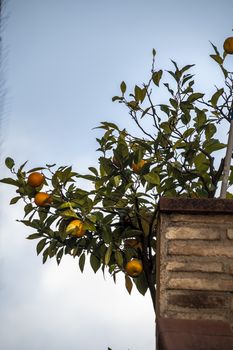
x: 75, y: 228
x: 134, y: 267
x: 42, y: 199
x: 35, y: 179
x: 228, y: 45
x: 138, y: 166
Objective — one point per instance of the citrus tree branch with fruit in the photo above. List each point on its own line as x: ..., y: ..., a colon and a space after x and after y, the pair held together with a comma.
x: 114, y: 220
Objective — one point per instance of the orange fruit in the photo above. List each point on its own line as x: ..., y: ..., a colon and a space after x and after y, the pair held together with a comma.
x: 75, y: 228
x: 228, y: 45
x: 35, y: 179
x: 42, y: 199
x: 138, y: 166
x: 134, y: 267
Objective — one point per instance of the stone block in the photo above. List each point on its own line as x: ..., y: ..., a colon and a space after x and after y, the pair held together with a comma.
x: 184, y: 248
x: 190, y: 266
x: 230, y: 233
x: 185, y: 232
x: 198, y: 300
x: 194, y: 283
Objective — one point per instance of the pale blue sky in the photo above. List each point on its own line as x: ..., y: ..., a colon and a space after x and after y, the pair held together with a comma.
x: 65, y: 61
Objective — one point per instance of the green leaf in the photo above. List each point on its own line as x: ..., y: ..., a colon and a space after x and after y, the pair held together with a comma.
x: 22, y: 166
x: 107, y: 235
x: 34, y: 224
x: 88, y: 225
x: 40, y: 246
x: 36, y: 169
x: 28, y: 208
x: 109, y: 125
x: 10, y: 181
x: 9, y: 162
x: 82, y: 262
x: 15, y: 200
x: 123, y: 87
x: 210, y: 130
x: 217, y: 58
x: 117, y: 98
x: 34, y: 236
x: 141, y: 283
x: 165, y: 109
x: 185, y: 118
x: 215, y: 97
x: 133, y: 105
x: 152, y: 178
x: 166, y: 127
x: 139, y: 93
x: 174, y: 103
x: 108, y: 255
x: 95, y: 263
x: 93, y: 170
x: 202, y: 163
x: 225, y: 72
x: 128, y: 284
x: 188, y: 132
x: 195, y: 96
x: 215, y: 48
x: 169, y: 89
x: 45, y: 255
x: 185, y: 68
x: 213, y: 145
x: 69, y: 214
x: 119, y: 258
x: 59, y: 255
x: 200, y: 119
x: 156, y: 77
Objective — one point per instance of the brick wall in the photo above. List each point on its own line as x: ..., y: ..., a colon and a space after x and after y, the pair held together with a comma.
x: 195, y: 259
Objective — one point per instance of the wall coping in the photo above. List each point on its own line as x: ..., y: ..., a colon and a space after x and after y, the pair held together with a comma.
x: 196, y: 205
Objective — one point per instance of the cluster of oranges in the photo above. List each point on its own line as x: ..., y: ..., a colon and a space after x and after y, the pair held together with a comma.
x: 36, y: 179
x: 76, y: 227
x: 43, y: 199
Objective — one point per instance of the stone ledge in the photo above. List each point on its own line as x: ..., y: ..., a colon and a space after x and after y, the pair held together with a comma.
x: 196, y: 206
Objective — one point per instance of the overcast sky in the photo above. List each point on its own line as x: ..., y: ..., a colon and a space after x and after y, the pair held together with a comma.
x: 65, y: 59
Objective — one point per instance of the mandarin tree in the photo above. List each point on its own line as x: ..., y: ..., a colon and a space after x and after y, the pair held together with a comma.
x: 114, y: 222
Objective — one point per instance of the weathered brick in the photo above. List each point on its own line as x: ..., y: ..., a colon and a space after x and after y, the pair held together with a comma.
x: 206, y: 219
x: 185, y: 232
x: 194, y: 266
x: 231, y: 269
x: 183, y: 248
x: 230, y: 233
x: 200, y: 284
x: 198, y: 314
x: 198, y: 300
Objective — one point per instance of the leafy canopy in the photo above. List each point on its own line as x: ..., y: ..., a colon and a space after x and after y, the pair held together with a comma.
x: 119, y: 212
